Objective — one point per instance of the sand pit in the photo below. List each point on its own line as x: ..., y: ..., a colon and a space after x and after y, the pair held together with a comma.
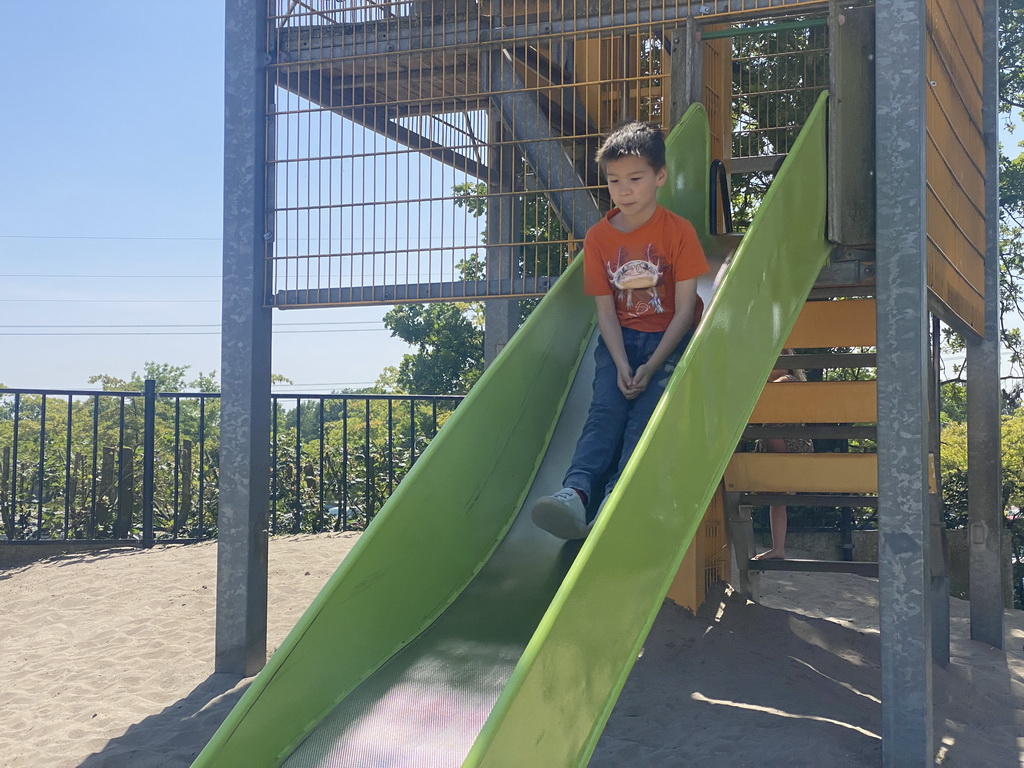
x: 107, y: 661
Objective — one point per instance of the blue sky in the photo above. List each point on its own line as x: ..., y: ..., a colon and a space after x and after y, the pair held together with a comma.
x: 110, y: 207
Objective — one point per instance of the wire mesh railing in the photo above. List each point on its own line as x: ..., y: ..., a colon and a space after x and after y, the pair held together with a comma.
x: 443, y: 149
x: 102, y: 466
x: 779, y: 70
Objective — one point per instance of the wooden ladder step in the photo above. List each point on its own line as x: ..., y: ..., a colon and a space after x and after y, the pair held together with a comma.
x: 856, y: 567
x: 819, y: 431
x: 817, y: 402
x: 829, y: 360
x: 851, y: 473
x: 827, y: 324
x: 806, y: 499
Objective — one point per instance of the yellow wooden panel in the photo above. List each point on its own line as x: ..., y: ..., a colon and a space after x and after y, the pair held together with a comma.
x: 817, y: 402
x: 589, y: 69
x: 717, y: 73
x: 803, y: 472
x: 687, y: 588
x: 822, y: 324
x: 959, y: 140
x: 716, y: 550
x: 954, y: 152
x: 960, y: 233
x: 954, y: 34
x: 707, y: 559
x: 955, y: 292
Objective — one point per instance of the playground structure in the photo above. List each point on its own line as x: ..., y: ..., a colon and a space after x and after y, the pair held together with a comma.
x: 513, y: 97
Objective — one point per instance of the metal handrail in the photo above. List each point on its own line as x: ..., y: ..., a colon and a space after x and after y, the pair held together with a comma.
x: 70, y: 461
x: 719, y: 188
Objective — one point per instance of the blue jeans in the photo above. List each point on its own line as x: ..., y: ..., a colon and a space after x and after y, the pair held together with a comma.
x: 614, y: 420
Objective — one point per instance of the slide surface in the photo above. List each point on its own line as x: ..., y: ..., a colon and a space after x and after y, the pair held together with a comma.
x: 456, y: 633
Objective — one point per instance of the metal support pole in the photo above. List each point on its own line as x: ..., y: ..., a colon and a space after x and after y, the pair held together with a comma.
x: 526, y: 123
x: 903, y: 520
x: 148, y: 447
x: 687, y: 61
x: 985, y: 504
x: 504, y: 214
x: 241, y: 640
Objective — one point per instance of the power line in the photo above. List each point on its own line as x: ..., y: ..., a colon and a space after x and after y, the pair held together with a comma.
x: 117, y: 301
x: 129, y: 277
x: 182, y: 333
x: 102, y: 237
x: 326, y: 384
x: 192, y: 325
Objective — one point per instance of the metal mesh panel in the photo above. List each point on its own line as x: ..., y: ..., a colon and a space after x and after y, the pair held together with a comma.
x: 777, y: 79
x: 441, y: 149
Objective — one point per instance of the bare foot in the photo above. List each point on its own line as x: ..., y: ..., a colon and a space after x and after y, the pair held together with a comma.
x: 771, y: 554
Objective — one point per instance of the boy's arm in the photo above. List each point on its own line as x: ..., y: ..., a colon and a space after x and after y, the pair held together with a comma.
x: 611, y: 332
x: 686, y: 300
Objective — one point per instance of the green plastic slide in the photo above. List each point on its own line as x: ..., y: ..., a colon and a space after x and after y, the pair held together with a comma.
x: 456, y: 633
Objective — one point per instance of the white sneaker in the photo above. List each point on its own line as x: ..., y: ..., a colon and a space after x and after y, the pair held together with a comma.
x: 562, y: 514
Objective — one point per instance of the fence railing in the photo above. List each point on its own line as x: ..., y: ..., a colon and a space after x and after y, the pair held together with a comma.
x: 98, y: 466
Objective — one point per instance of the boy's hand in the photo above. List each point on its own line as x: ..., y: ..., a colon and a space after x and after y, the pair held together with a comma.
x: 639, y: 382
x: 625, y: 381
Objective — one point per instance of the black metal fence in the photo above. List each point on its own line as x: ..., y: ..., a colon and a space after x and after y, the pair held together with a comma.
x: 100, y: 466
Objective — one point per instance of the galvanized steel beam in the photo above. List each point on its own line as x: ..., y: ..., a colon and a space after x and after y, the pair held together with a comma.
x: 985, y: 504
x: 903, y: 520
x: 343, y: 101
x: 687, y: 61
x: 304, y: 45
x: 527, y: 125
x: 504, y: 214
x: 457, y: 290
x: 241, y: 634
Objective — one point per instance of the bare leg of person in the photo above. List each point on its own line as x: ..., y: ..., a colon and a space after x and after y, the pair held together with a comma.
x: 778, y: 519
x: 777, y: 513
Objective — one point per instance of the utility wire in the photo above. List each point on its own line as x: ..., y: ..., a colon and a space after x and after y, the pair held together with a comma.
x: 187, y: 325
x: 101, y: 237
x: 181, y: 333
x: 108, y: 277
x: 118, y: 301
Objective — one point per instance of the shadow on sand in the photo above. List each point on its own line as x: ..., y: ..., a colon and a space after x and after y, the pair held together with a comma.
x: 176, y: 735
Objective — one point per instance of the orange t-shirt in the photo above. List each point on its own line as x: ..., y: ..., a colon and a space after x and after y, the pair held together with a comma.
x: 641, y: 268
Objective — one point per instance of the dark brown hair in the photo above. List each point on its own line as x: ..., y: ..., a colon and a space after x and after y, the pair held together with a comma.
x: 638, y: 139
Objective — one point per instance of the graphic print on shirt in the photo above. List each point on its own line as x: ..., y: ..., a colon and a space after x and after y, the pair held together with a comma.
x: 637, y: 280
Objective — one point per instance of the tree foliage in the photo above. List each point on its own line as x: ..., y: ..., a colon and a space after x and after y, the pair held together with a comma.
x: 449, y: 347
x: 448, y: 336
x: 1011, y: 194
x: 71, y: 467
x: 777, y: 79
x: 75, y: 468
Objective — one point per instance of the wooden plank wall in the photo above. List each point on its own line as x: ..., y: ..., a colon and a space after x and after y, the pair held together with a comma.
x: 717, y: 70
x: 955, y: 154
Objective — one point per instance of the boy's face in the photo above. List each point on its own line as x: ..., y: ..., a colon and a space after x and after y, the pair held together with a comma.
x: 633, y: 185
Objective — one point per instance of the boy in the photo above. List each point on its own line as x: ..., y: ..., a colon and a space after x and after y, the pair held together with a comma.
x: 641, y: 264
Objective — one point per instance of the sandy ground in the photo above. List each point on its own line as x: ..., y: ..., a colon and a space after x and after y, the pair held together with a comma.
x: 106, y: 660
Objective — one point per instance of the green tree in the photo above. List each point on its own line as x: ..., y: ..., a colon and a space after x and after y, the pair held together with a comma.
x: 448, y: 336
x: 777, y: 78
x: 954, y: 471
x: 449, y: 347
x: 1011, y: 195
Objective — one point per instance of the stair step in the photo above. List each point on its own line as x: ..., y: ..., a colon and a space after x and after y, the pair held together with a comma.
x: 856, y: 567
x: 828, y: 324
x: 806, y: 500
x: 845, y: 473
x: 820, y: 431
x: 829, y: 360
x: 818, y: 402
